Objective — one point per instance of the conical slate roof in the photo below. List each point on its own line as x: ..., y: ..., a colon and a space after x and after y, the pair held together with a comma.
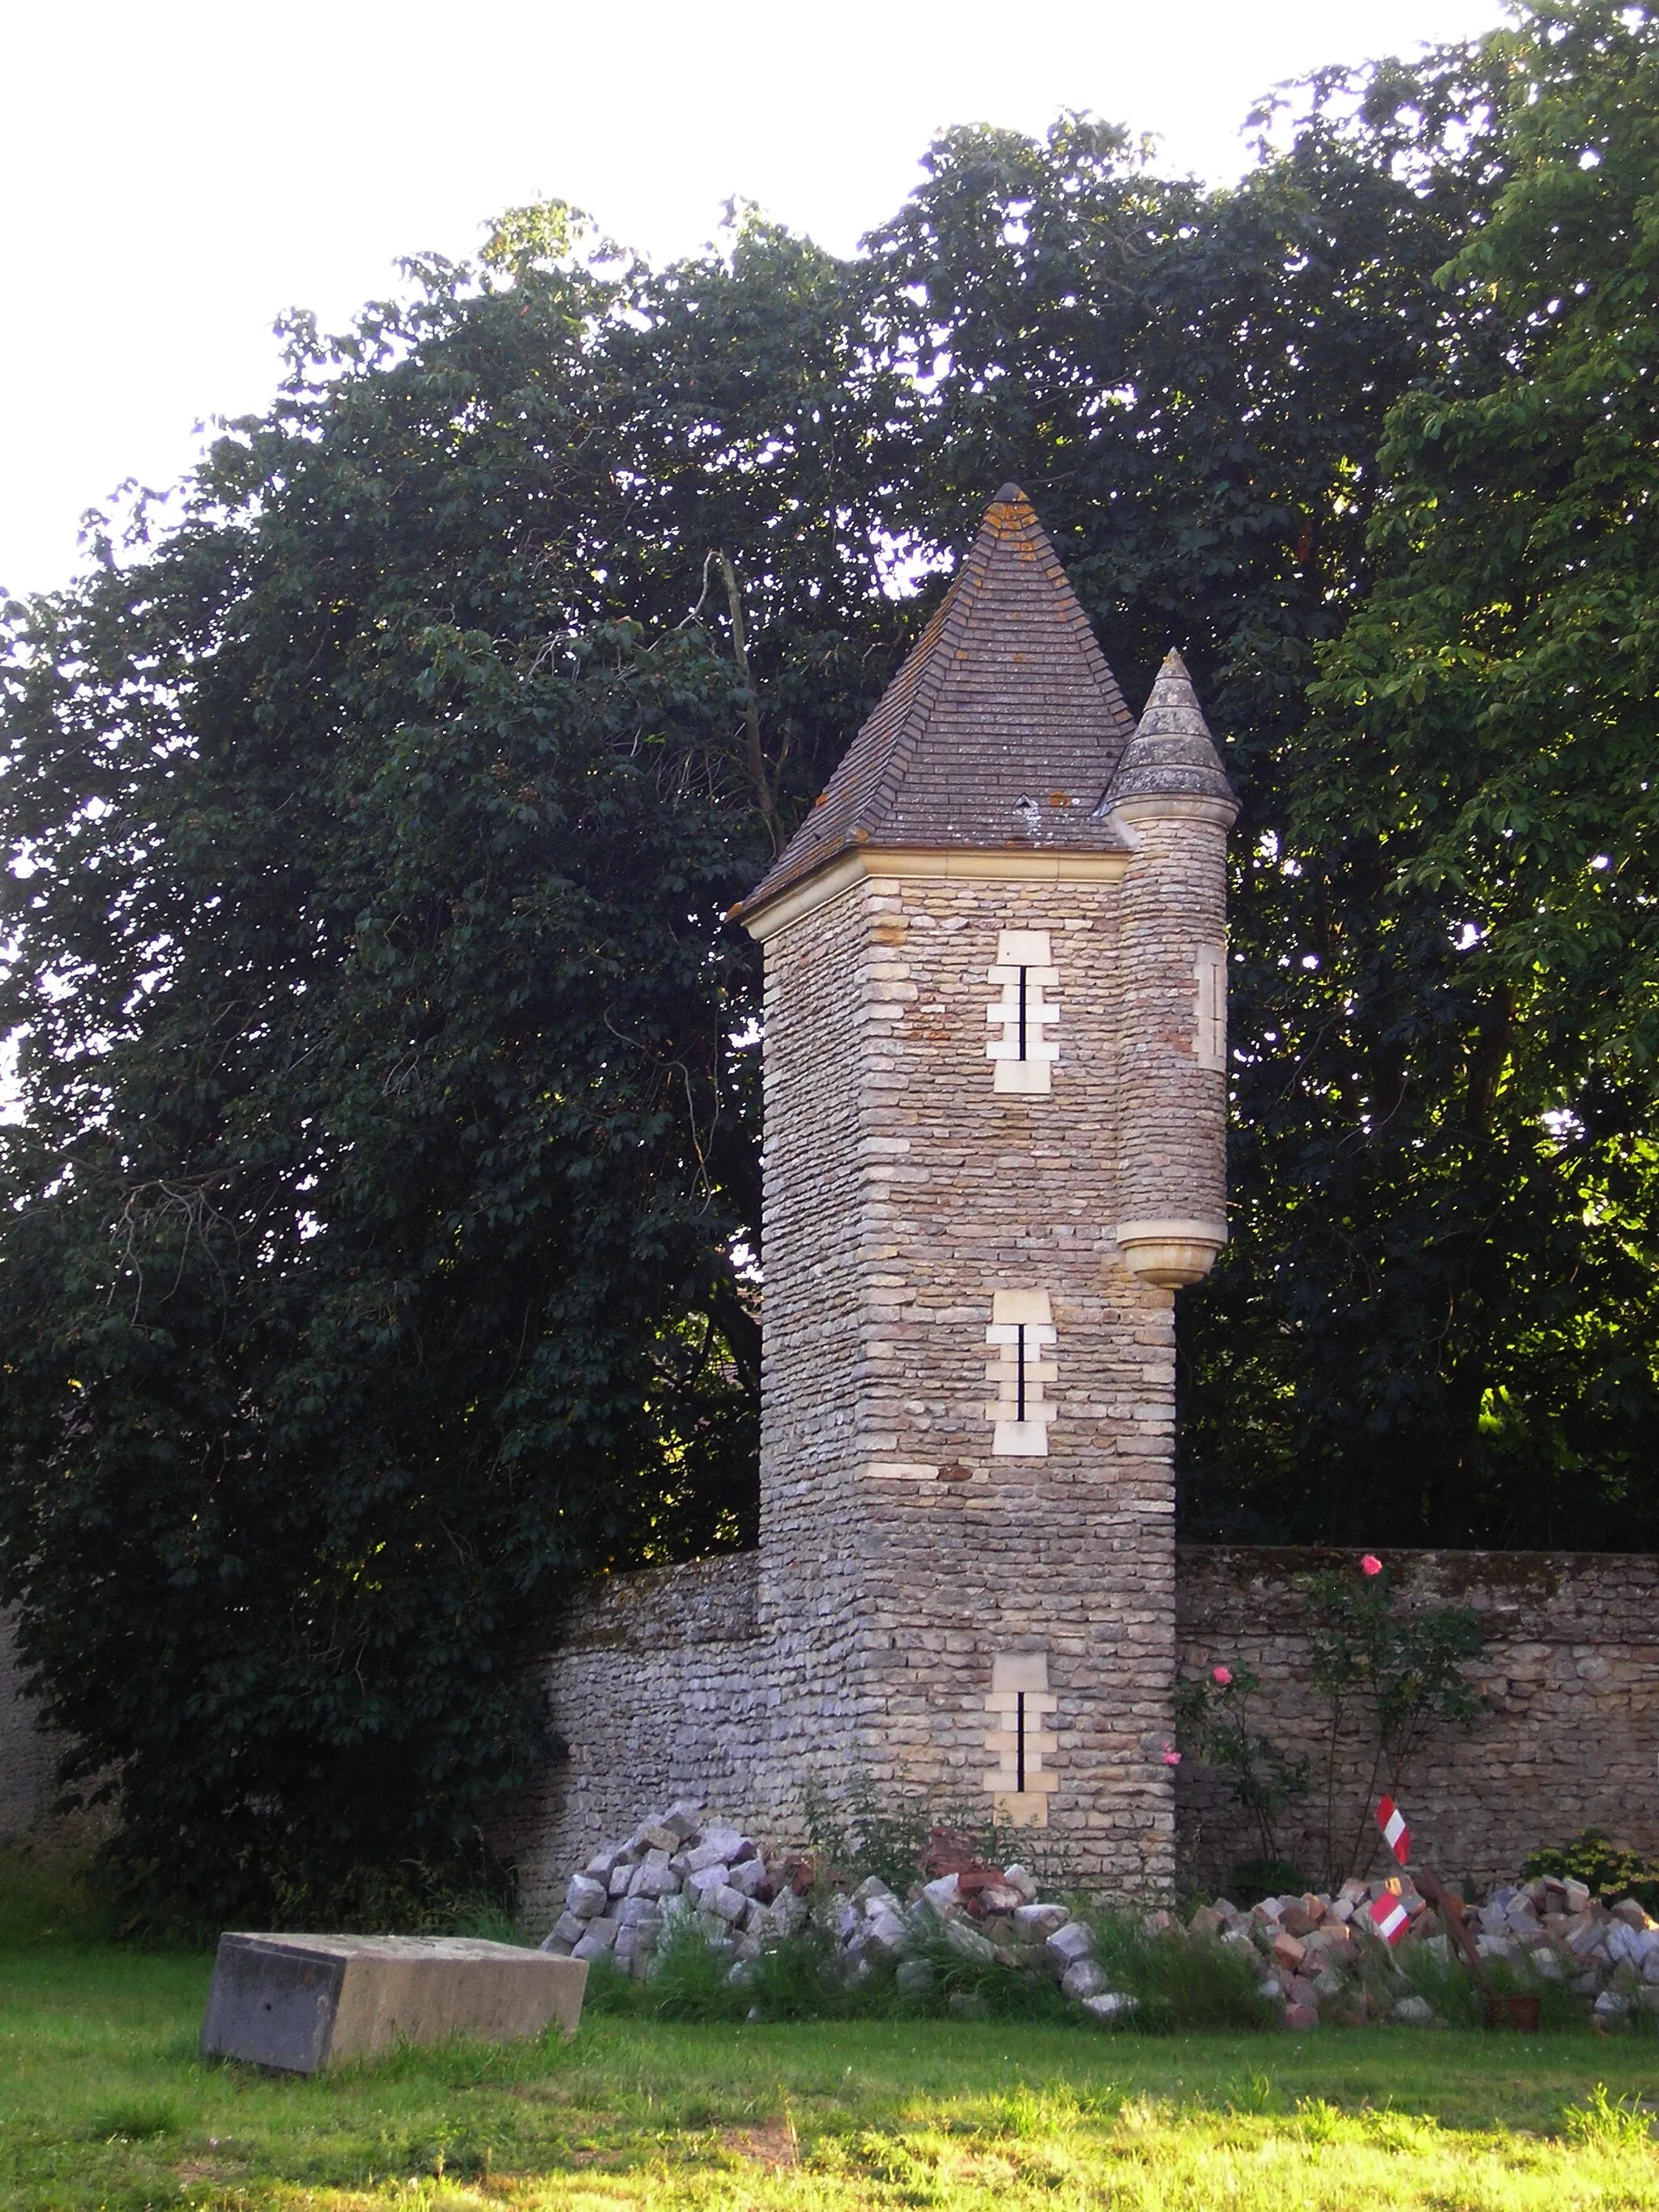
x: 1001, y: 730
x: 1171, y: 754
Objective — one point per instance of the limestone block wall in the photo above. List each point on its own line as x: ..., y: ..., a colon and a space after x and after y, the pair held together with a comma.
x: 661, y: 1684
x: 1570, y: 1740
x: 656, y: 1686
x: 828, y: 991
x: 903, y: 1560
x: 1172, y: 1163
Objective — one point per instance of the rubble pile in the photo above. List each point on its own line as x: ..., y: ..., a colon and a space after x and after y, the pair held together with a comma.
x: 1321, y: 1961
x: 1317, y: 1957
x: 618, y: 1903
x: 628, y: 1894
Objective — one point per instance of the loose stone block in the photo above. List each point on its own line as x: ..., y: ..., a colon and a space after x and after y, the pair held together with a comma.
x: 297, y: 2003
x: 657, y: 1836
x: 1085, y: 1977
x: 586, y: 1898
x: 1069, y: 1943
x: 1035, y: 1924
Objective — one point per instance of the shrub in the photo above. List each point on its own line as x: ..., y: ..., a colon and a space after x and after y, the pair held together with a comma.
x: 1212, y: 1712
x: 1606, y: 1870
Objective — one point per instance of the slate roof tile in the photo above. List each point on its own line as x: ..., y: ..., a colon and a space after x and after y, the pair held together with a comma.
x: 1002, y: 729
x: 1171, y: 753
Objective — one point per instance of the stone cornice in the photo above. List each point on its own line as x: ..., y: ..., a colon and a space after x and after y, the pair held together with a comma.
x: 959, y: 864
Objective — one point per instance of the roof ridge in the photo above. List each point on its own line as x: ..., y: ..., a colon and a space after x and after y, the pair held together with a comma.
x: 929, y: 657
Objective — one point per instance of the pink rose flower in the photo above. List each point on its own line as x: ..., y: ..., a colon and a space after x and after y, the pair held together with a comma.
x: 1172, y: 1756
x: 1222, y: 1675
x: 1371, y: 1565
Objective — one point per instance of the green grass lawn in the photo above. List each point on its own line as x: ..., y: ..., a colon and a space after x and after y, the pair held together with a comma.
x: 104, y: 2104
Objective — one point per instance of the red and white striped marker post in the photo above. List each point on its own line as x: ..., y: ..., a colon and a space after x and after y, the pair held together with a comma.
x: 1388, y: 1916
x: 1390, y: 1919
x: 1392, y: 1821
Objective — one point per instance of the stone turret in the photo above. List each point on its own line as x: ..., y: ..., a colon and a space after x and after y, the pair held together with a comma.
x: 986, y: 1156
x: 994, y: 1113
x: 1170, y: 799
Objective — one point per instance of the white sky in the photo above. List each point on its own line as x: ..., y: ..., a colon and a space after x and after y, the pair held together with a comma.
x: 174, y: 175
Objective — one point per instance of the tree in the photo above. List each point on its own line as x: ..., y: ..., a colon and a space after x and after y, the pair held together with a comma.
x: 1443, y: 1294
x: 370, y: 1271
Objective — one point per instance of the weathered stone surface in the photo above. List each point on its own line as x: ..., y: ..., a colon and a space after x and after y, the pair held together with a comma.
x: 1069, y: 1943
x: 586, y: 1898
x: 1110, y: 2006
x: 962, y: 1935
x: 1560, y: 1745
x: 301, y: 2002
x: 1084, y: 1977
x: 886, y: 1928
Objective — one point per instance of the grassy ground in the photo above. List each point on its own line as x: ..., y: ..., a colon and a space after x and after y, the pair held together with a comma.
x: 103, y: 2104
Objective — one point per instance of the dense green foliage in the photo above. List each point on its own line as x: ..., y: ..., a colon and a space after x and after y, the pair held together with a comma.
x: 1609, y: 1870
x: 1444, y: 1288
x: 376, y: 1251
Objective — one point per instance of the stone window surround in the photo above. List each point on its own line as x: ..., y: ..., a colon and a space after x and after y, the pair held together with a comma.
x: 1020, y: 1702
x: 1021, y: 1330
x: 1211, y: 1047
x: 1024, y: 1055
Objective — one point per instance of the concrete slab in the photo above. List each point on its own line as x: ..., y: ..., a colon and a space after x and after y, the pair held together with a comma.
x: 301, y: 2003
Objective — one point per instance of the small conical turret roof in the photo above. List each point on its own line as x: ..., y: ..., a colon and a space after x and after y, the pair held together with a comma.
x: 1171, y: 754
x: 1000, y: 730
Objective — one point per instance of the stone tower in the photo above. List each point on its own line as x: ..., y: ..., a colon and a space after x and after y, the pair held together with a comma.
x: 994, y: 1103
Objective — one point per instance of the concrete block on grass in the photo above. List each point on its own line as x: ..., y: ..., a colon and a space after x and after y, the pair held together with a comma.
x: 298, y: 2003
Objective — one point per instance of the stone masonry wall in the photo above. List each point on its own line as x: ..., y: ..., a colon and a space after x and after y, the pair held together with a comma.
x: 658, y: 1685
x: 901, y: 1559
x: 966, y: 1556
x: 655, y: 1687
x: 1570, y: 1740
x: 824, y: 997
x: 1172, y: 1159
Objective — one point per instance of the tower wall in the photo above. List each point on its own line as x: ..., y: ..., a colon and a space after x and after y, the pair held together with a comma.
x: 923, y: 1581
x: 994, y: 1093
x: 832, y: 994
x: 1172, y: 1164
